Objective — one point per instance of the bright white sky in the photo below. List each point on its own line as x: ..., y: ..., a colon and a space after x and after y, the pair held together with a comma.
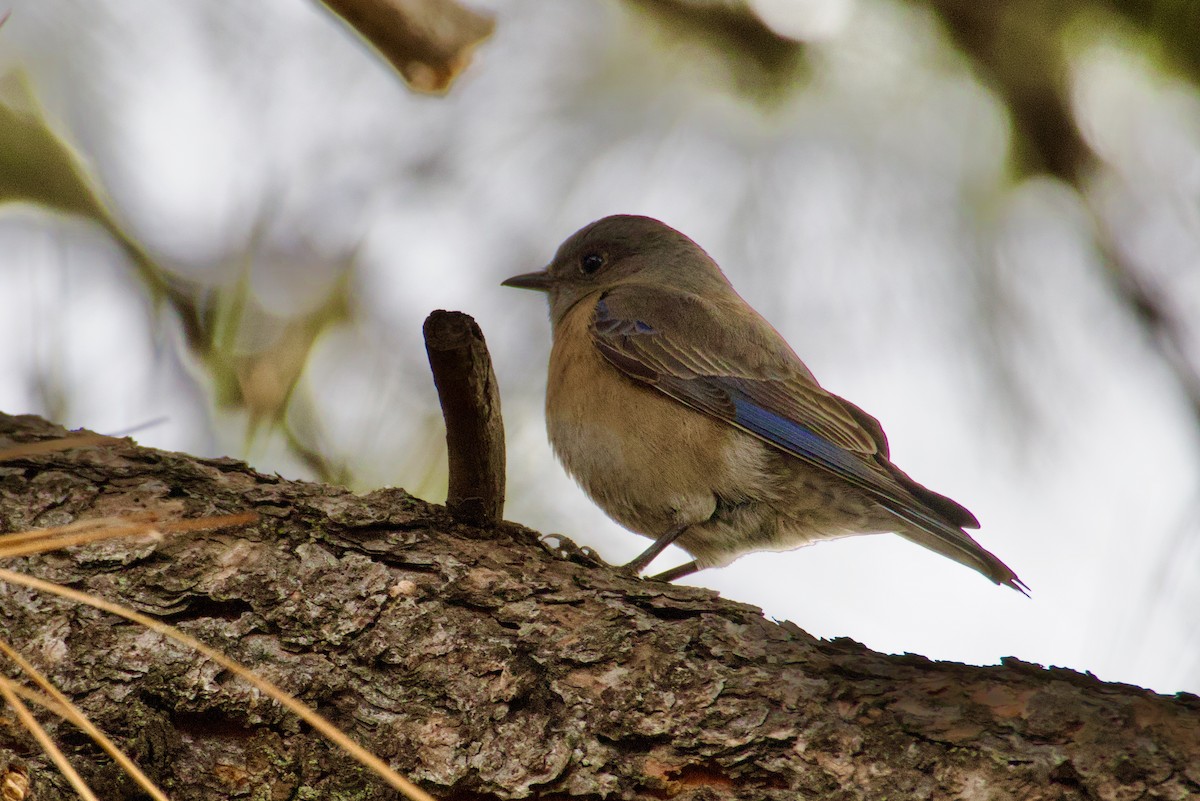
x: 866, y: 217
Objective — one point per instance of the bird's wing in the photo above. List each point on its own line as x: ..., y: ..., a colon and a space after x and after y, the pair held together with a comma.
x: 729, y: 363
x: 737, y: 368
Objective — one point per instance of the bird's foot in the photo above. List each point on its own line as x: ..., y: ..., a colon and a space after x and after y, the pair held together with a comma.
x: 629, y: 569
x: 564, y: 547
x: 635, y: 566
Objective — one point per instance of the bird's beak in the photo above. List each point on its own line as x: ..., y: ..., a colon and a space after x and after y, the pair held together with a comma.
x: 540, y: 281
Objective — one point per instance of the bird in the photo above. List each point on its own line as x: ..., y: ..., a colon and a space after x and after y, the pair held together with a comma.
x: 687, y: 418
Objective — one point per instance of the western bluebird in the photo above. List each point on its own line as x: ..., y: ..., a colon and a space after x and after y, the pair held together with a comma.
x: 687, y: 418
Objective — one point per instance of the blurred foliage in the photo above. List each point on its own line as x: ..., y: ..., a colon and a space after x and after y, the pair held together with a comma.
x: 760, y: 63
x: 37, y: 166
x: 1170, y: 30
x: 1022, y: 49
x: 429, y: 42
x: 1019, y: 48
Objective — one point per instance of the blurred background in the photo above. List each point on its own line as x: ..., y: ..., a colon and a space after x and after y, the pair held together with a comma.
x: 980, y: 222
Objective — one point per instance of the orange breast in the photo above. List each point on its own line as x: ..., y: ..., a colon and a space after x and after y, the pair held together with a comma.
x: 647, y: 460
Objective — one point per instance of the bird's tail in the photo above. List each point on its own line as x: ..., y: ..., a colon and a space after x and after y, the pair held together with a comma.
x: 958, y: 545
x: 937, y: 523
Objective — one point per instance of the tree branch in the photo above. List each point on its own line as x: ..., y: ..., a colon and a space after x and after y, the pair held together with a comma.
x: 483, y: 667
x: 470, y: 398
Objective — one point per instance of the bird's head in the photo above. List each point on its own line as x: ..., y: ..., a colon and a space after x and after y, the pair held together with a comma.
x: 622, y: 249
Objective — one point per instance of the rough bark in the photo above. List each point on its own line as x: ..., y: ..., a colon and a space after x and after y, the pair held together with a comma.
x: 484, y: 666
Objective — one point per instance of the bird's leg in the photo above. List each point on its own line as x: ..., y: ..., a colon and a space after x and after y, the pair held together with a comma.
x: 686, y: 569
x: 639, y: 563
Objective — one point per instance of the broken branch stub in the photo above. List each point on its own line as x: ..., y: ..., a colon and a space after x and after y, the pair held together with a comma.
x: 470, y: 399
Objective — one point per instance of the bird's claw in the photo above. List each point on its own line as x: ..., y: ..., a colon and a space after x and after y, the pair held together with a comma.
x: 564, y: 547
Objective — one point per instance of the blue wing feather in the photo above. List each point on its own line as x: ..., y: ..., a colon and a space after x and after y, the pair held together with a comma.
x: 791, y: 436
x: 766, y: 407
x: 747, y: 413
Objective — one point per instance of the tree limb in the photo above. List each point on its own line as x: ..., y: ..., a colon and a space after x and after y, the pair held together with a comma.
x: 483, y: 667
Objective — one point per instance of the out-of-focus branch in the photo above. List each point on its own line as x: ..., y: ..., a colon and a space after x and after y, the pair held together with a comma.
x: 1172, y: 27
x: 1156, y: 315
x: 38, y: 166
x: 759, y: 62
x: 1018, y: 48
x: 429, y: 42
x: 470, y: 398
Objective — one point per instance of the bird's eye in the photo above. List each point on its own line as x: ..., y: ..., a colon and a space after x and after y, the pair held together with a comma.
x: 591, y: 263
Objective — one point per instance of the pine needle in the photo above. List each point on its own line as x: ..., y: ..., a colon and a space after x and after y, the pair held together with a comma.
x: 83, y: 532
x: 63, y: 707
x: 52, y: 446
x: 308, y: 715
x: 52, y: 750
